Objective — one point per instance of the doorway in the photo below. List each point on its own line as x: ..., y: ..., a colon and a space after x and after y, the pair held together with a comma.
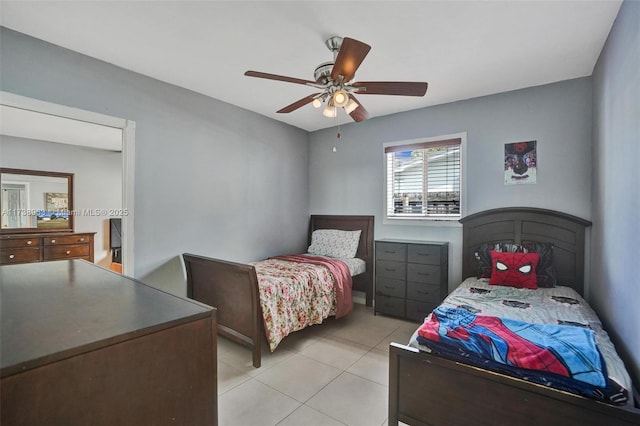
x: 39, y: 120
x: 15, y: 196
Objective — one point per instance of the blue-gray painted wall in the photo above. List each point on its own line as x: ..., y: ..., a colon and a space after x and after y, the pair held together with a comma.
x: 210, y: 178
x: 615, y: 262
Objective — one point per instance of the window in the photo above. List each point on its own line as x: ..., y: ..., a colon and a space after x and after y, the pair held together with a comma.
x: 424, y: 179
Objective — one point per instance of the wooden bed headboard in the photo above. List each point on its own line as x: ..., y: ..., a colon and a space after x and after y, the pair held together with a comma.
x: 526, y: 224
x: 362, y: 282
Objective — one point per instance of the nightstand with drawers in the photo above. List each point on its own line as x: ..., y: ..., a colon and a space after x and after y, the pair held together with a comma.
x: 411, y: 277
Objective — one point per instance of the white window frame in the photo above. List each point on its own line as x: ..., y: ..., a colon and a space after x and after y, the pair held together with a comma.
x: 424, y: 220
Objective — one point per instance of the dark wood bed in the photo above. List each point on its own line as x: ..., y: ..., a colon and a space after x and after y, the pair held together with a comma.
x: 232, y: 287
x: 425, y: 389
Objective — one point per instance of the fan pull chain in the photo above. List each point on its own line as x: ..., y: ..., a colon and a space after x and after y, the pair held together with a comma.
x: 338, y: 135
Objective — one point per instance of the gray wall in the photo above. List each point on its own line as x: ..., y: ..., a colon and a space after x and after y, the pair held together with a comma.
x: 615, y: 269
x: 210, y: 178
x: 97, y: 180
x: 558, y: 116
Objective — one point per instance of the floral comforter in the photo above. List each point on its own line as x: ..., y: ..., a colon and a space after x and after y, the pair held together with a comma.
x: 295, y: 295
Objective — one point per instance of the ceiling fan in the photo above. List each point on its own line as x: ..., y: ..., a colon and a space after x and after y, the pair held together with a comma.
x: 335, y: 81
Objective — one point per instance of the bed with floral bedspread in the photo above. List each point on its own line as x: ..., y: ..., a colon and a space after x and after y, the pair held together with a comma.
x: 290, y: 294
x: 299, y: 291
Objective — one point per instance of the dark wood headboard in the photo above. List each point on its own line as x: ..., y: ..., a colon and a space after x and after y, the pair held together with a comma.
x: 526, y: 224
x: 362, y: 282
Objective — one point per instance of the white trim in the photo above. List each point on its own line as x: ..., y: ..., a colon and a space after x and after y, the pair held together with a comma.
x: 128, y: 156
x: 30, y: 104
x: 128, y: 185
x: 429, y: 221
x: 452, y: 223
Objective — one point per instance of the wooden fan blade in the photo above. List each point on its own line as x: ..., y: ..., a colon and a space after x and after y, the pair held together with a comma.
x: 297, y: 104
x: 352, y: 53
x: 360, y: 113
x: 280, y: 78
x: 403, y: 88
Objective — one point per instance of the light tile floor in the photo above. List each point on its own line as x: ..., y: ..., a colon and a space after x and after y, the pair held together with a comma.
x: 335, y: 373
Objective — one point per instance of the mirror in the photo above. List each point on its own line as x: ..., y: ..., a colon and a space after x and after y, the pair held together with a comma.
x: 35, y: 201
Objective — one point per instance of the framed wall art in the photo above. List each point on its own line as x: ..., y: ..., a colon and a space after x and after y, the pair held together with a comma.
x: 56, y: 201
x: 520, y: 163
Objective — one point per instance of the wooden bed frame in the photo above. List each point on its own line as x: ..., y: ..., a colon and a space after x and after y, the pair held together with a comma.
x: 232, y: 287
x: 425, y: 389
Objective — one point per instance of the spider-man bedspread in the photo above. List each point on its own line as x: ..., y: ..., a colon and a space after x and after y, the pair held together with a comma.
x: 561, y: 356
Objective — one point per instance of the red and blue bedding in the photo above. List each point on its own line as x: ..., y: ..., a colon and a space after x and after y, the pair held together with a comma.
x: 548, y: 336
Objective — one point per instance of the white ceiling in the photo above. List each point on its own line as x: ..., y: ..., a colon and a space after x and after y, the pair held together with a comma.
x: 464, y: 49
x: 29, y: 124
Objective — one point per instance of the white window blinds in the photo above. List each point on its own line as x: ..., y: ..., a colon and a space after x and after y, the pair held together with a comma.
x: 423, y: 179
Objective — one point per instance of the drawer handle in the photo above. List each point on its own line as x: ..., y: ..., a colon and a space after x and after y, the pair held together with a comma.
x: 29, y: 242
x: 390, y: 269
x: 422, y: 292
x: 53, y: 241
x: 68, y: 252
x: 11, y: 256
x: 390, y: 287
x: 424, y: 254
x: 390, y: 251
x: 81, y: 240
x: 426, y: 274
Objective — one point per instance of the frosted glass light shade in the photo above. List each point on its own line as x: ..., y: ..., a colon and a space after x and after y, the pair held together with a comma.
x: 340, y: 98
x: 351, y: 106
x: 330, y: 111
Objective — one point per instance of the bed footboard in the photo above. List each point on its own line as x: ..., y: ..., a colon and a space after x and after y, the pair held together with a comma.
x: 232, y: 288
x: 426, y: 389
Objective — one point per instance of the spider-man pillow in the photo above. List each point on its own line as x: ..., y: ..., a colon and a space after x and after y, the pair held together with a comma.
x: 545, y: 270
x: 514, y: 269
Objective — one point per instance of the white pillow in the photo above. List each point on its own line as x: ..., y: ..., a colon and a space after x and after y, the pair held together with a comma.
x: 334, y: 243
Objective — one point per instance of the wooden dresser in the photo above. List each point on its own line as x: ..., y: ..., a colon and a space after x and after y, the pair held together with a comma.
x: 411, y: 277
x: 28, y: 248
x: 82, y: 345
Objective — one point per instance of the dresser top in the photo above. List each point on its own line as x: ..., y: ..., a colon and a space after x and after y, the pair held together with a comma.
x: 22, y: 235
x: 54, y: 310
x: 433, y: 243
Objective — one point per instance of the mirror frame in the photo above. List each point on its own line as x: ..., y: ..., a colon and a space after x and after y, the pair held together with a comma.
x: 68, y: 176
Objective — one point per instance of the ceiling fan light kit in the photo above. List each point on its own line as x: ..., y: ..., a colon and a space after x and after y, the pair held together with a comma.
x: 335, y: 79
